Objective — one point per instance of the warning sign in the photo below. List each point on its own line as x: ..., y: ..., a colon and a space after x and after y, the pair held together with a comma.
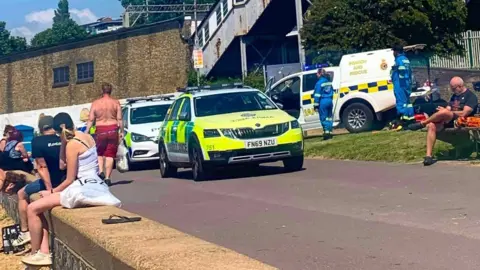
x: 197, y: 58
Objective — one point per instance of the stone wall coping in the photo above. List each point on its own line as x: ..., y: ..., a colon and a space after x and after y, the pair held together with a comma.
x: 143, y: 245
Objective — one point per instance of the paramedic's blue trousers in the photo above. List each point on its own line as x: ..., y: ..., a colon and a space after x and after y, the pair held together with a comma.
x: 403, y: 105
x: 326, y: 114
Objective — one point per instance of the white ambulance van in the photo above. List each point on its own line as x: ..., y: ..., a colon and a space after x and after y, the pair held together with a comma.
x: 363, y: 91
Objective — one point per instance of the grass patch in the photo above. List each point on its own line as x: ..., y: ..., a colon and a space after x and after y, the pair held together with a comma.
x: 385, y: 146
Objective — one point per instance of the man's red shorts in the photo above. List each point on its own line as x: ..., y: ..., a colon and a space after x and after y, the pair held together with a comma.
x: 106, y: 138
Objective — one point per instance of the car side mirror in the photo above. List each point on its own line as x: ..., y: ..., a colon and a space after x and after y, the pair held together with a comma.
x: 279, y: 105
x: 476, y: 86
x: 184, y: 116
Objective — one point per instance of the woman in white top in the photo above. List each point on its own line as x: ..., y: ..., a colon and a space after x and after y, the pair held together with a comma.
x: 81, y: 159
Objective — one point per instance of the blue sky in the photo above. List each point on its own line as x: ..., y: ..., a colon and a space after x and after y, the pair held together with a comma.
x: 28, y: 17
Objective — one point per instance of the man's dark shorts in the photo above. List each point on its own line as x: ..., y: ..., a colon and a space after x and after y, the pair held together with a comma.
x: 39, y: 185
x: 35, y: 187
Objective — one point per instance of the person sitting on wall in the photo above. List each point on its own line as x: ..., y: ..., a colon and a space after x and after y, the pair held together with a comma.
x: 11, y: 182
x: 14, y: 156
x: 6, y: 133
x: 46, y: 152
x: 79, y: 151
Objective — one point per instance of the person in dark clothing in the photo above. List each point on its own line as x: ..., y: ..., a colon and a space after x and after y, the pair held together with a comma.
x: 46, y: 152
x: 463, y: 103
x: 15, y: 157
x: 6, y: 133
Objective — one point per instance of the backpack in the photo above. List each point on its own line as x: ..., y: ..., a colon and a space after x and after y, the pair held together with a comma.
x: 9, y: 234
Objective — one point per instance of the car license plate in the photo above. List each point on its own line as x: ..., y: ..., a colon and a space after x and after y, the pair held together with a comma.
x: 260, y: 143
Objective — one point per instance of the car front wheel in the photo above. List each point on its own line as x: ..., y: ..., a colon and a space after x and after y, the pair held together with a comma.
x: 293, y: 164
x: 166, y: 169
x: 199, y: 170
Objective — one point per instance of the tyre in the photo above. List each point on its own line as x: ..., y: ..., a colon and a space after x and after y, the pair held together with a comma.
x: 358, y: 117
x: 166, y: 169
x: 131, y: 165
x: 199, y: 170
x: 293, y: 164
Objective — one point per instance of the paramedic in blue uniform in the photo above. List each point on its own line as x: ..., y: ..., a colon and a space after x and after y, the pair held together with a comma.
x: 323, y: 102
x: 402, y: 84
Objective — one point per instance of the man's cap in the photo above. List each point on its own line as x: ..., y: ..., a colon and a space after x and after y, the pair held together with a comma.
x: 62, y: 119
x: 45, y: 123
x: 397, y: 48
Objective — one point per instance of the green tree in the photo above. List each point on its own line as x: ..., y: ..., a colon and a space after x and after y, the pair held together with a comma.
x: 44, y: 38
x: 152, y: 18
x: 10, y: 44
x: 335, y: 27
x: 64, y: 28
x: 62, y: 14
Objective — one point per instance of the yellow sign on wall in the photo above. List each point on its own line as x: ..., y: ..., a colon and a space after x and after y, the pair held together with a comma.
x: 197, y: 58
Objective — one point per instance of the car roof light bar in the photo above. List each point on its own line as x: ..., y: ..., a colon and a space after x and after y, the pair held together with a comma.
x: 150, y: 98
x: 211, y: 87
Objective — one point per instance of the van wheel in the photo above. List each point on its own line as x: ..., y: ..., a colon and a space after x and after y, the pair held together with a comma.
x: 358, y: 117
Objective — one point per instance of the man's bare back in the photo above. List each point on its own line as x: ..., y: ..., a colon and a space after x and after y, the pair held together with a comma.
x: 106, y: 111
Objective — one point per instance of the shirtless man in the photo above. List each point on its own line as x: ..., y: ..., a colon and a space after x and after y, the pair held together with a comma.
x: 107, y: 114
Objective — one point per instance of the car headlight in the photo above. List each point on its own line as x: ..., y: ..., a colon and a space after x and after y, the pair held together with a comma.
x: 228, y: 132
x: 139, y: 137
x: 210, y: 133
x: 294, y: 124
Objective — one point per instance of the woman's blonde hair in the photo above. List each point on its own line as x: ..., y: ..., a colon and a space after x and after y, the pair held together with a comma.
x: 63, y: 124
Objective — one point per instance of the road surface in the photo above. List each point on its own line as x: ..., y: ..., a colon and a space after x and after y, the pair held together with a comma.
x: 332, y: 215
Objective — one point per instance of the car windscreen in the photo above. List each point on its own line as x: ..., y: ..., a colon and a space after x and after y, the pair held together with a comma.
x: 232, y: 103
x: 148, y: 114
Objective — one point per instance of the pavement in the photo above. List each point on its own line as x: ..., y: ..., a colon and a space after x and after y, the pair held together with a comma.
x: 331, y: 215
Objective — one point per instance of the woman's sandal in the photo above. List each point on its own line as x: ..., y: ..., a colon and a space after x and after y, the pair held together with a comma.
x: 120, y: 219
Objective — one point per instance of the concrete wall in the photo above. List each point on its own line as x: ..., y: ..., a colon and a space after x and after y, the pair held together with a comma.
x: 79, y: 241
x: 139, y: 61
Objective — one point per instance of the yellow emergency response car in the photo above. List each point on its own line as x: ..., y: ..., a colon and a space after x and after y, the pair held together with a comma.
x: 209, y: 127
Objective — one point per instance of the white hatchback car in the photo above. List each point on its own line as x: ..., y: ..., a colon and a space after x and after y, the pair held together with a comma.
x: 142, y: 118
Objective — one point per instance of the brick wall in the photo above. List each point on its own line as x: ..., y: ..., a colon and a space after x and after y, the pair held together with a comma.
x: 138, y: 61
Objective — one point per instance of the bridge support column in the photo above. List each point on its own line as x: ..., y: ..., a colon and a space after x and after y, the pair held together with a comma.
x: 301, y: 50
x: 243, y: 56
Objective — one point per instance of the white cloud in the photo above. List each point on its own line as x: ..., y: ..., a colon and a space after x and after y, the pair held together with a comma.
x: 23, y: 32
x: 83, y: 16
x: 42, y: 16
x: 38, y: 21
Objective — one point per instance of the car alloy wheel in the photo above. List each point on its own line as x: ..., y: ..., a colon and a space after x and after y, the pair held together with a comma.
x: 163, y: 162
x: 196, y: 164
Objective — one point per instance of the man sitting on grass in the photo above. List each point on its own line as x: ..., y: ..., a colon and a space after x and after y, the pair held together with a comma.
x: 463, y: 103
